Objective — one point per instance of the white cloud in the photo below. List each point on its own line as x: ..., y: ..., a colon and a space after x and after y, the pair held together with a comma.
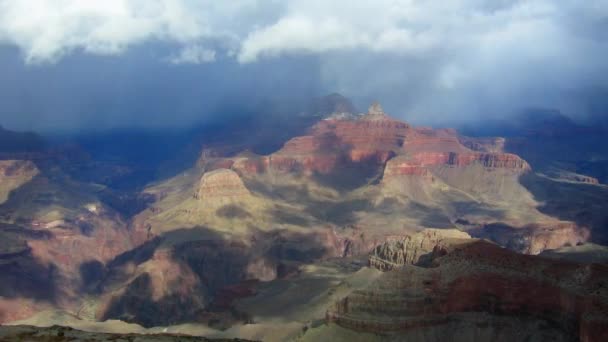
x: 46, y: 30
x: 412, y: 28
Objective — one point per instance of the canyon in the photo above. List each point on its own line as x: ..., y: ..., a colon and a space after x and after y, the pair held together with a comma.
x: 360, y: 214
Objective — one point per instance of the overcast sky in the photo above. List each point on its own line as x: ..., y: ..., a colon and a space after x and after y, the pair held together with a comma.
x: 88, y: 64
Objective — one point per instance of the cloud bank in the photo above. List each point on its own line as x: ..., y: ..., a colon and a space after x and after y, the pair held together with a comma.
x: 428, y: 61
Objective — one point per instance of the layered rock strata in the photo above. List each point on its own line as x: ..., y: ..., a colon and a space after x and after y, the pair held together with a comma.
x: 221, y: 183
x: 475, y: 278
x: 409, y: 250
x: 373, y: 139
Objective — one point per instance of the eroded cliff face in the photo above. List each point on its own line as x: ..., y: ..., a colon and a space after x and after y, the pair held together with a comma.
x: 334, y: 143
x: 471, y: 279
x: 399, y: 251
x: 431, y: 165
x: 372, y: 140
x: 221, y: 184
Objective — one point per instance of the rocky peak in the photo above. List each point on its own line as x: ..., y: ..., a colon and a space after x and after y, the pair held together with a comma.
x: 376, y: 110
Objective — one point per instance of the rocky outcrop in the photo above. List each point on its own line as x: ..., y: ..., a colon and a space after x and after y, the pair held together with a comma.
x: 410, y: 249
x: 375, y: 111
x: 221, y: 183
x: 374, y: 136
x: 488, y: 160
x: 335, y: 142
x: 477, y: 280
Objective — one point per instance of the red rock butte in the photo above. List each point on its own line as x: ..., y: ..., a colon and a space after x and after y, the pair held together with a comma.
x: 375, y: 138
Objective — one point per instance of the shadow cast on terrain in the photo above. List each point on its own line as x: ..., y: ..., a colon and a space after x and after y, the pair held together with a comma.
x: 91, y: 274
x: 215, y: 263
x: 477, y: 209
x: 22, y: 275
x: 137, y: 305
x: 127, y: 204
x: 349, y: 174
x: 428, y: 216
x: 513, y: 238
x: 584, y: 204
x: 335, y: 212
x: 232, y: 211
x: 338, y: 213
x: 286, y: 215
x: 203, y: 252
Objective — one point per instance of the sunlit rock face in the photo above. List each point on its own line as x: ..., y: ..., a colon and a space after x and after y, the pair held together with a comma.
x: 221, y: 183
x: 421, y: 164
x: 409, y: 250
x: 334, y: 143
x: 373, y: 139
x: 473, y: 280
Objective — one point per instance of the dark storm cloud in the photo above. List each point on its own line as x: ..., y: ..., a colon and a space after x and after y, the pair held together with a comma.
x: 140, y: 90
x: 69, y: 64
